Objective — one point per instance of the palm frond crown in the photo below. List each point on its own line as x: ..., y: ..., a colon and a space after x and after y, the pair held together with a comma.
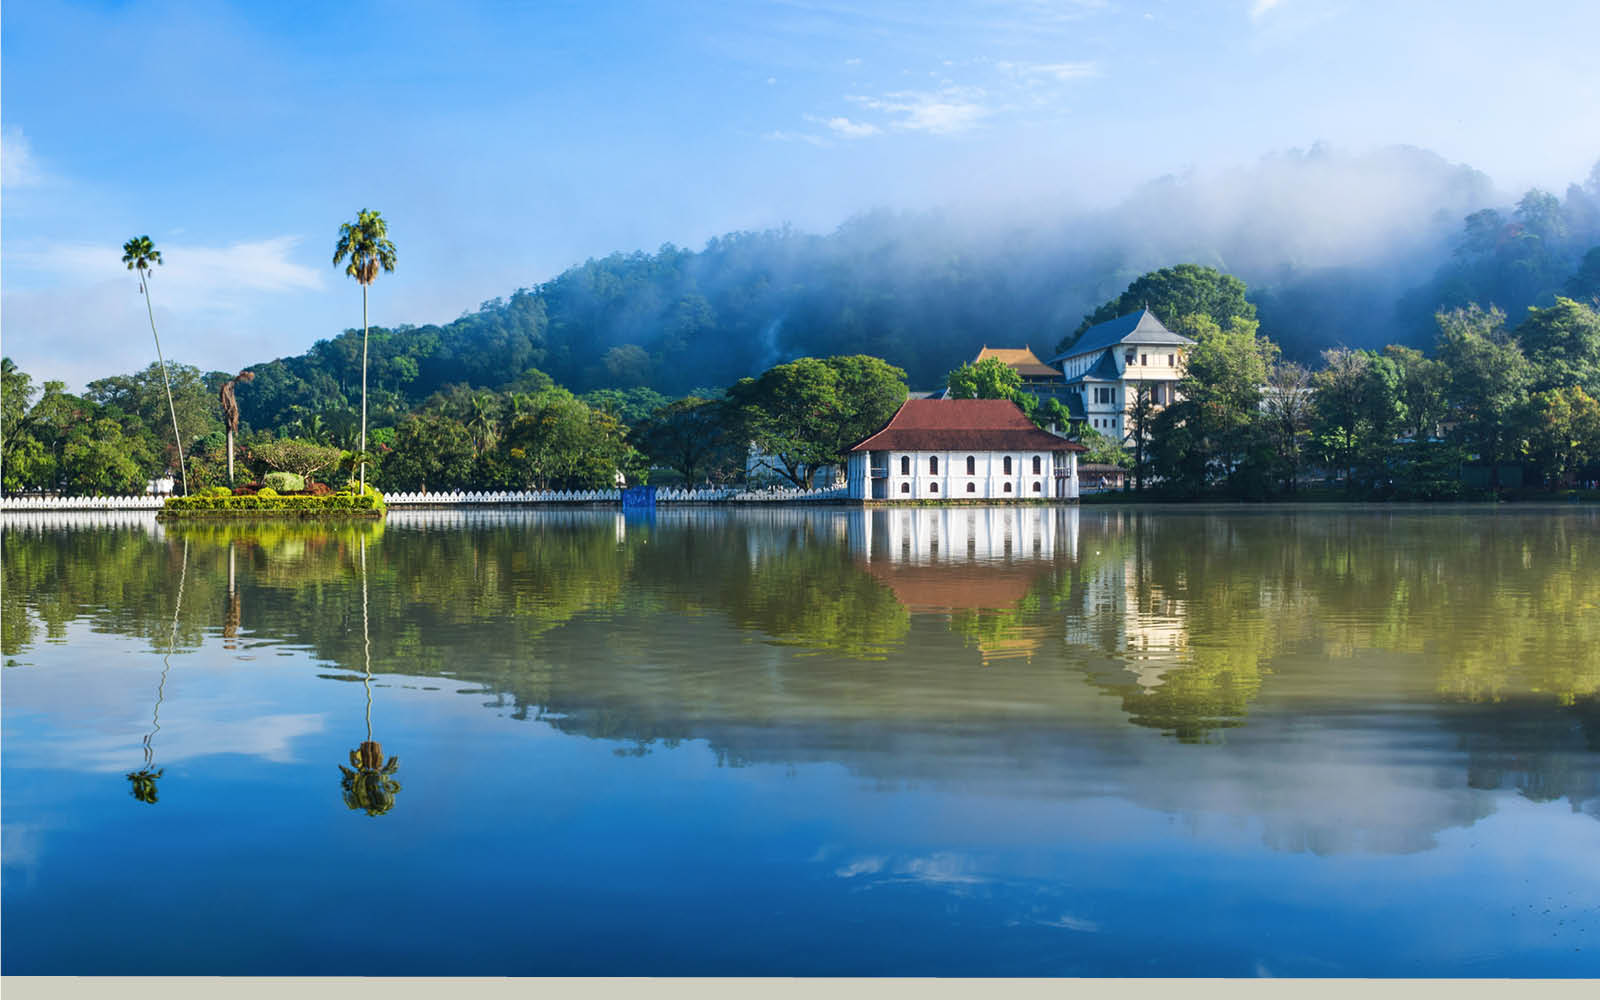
x: 139, y: 253
x: 365, y: 243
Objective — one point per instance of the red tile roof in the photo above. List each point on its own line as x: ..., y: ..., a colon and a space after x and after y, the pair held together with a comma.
x: 963, y: 425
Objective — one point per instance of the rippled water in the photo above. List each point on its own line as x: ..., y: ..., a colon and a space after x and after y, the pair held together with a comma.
x: 1099, y: 741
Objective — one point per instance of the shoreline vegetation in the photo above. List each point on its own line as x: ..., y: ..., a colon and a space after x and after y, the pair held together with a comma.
x: 1497, y: 399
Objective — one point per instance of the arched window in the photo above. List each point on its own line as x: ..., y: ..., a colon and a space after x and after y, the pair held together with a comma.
x: 1036, y: 488
x: 1008, y: 487
x: 905, y: 465
x: 905, y: 487
x: 972, y: 488
x: 1036, y: 465
x: 933, y: 465
x: 1008, y: 465
x: 933, y: 487
x: 972, y: 465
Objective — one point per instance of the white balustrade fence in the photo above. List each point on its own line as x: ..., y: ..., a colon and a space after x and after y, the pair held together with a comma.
x: 668, y: 495
x: 81, y: 503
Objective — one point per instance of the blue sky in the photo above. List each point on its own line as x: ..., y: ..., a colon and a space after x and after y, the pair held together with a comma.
x: 505, y: 141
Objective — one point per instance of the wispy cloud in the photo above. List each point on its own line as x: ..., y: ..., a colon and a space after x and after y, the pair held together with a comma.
x: 1062, y: 71
x: 845, y: 128
x: 946, y: 111
x: 18, y: 166
x: 784, y: 135
x: 861, y: 866
x: 1069, y: 922
x: 190, y: 276
x: 1260, y: 7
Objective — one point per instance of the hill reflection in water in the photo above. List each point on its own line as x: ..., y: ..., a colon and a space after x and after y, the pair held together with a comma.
x: 1275, y: 682
x: 1000, y: 643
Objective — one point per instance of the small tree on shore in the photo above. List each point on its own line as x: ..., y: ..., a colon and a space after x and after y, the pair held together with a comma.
x: 230, y: 412
x: 299, y: 457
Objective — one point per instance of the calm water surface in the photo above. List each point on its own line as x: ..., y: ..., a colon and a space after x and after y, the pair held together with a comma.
x: 1127, y: 742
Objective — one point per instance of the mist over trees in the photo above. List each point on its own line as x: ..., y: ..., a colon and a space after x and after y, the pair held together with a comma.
x: 1295, y: 255
x: 1336, y: 249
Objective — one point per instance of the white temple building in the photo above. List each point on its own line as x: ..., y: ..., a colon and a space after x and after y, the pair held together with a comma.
x: 963, y: 449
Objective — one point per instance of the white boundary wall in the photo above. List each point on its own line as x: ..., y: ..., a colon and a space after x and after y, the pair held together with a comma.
x: 460, y: 499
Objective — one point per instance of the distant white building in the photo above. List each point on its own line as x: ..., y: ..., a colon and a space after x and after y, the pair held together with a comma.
x: 962, y: 449
x: 1106, y: 365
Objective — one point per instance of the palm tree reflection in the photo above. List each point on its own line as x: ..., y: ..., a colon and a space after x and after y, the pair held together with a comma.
x: 371, y: 785
x: 143, y: 781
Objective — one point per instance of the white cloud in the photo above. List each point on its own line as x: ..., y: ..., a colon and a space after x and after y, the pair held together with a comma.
x: 189, y: 277
x: 861, y: 866
x: 1261, y: 7
x: 18, y: 166
x: 845, y: 128
x: 1068, y: 922
x: 943, y: 868
x: 72, y: 310
x: 1066, y: 71
x: 942, y: 112
x: 270, y: 737
x: 783, y: 135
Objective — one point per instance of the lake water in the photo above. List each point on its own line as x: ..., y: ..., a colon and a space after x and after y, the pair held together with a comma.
x: 1143, y: 741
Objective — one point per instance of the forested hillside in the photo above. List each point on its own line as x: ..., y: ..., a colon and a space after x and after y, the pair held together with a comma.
x: 1290, y: 257
x: 1336, y: 250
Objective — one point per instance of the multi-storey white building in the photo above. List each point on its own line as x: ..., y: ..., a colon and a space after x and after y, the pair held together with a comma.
x: 1106, y: 365
x: 963, y: 449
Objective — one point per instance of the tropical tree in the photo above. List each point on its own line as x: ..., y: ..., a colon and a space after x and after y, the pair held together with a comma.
x: 366, y: 243
x: 303, y: 458
x: 1142, y: 411
x: 230, y: 412
x: 139, y: 254
x: 990, y: 378
x: 691, y: 436
x: 1177, y: 295
x: 1288, y: 405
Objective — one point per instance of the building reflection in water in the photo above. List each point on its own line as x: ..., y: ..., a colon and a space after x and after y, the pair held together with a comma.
x: 977, y: 565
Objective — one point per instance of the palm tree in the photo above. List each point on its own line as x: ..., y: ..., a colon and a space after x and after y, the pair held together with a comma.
x: 143, y: 781
x: 371, y: 785
x: 139, y: 253
x: 230, y: 412
x: 366, y: 243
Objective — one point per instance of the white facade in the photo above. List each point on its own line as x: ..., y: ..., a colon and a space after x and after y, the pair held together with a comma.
x: 963, y: 475
x: 947, y: 535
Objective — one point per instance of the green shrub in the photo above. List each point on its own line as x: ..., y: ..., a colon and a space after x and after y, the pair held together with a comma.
x: 285, y: 482
x: 266, y: 500
x: 219, y: 491
x: 266, y: 491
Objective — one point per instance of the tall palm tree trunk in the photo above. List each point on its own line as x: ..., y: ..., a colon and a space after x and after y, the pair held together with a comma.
x: 230, y: 456
x: 363, y: 388
x: 165, y: 382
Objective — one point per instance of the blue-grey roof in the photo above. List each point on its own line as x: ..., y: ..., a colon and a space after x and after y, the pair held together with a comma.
x: 1141, y: 327
x: 1103, y: 370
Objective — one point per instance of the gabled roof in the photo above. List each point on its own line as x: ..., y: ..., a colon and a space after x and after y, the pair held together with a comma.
x: 1141, y: 327
x: 1021, y: 359
x: 963, y: 425
x: 1103, y: 370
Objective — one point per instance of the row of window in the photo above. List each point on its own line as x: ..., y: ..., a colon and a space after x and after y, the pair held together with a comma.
x: 1144, y: 359
x: 972, y: 465
x: 971, y: 487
